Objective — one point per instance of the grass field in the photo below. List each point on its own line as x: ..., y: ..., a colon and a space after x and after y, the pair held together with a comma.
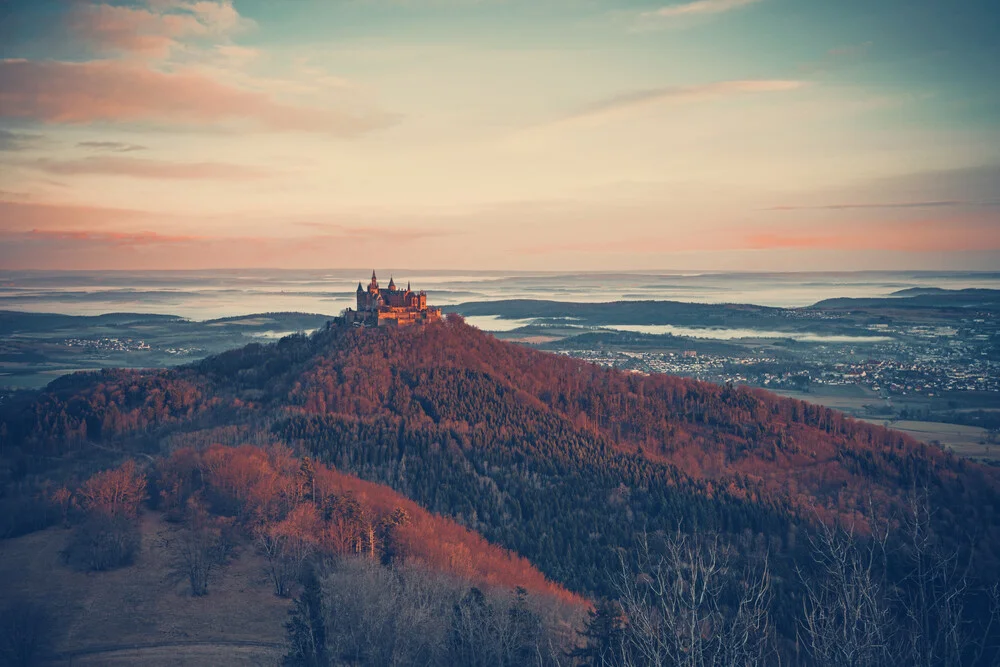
x: 970, y: 441
x: 145, y: 614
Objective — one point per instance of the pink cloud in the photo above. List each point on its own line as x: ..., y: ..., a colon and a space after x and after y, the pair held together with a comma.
x: 110, y: 91
x: 107, y: 249
x: 698, y: 7
x: 955, y: 235
x: 138, y: 168
x: 118, y: 239
x: 21, y: 216
x: 151, y: 30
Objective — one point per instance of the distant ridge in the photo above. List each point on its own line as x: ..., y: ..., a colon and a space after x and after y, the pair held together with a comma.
x: 919, y: 297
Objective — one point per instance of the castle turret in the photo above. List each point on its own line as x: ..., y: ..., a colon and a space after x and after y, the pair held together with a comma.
x: 392, y: 283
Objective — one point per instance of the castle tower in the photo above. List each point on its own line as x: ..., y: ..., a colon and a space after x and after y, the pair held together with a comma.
x: 392, y: 283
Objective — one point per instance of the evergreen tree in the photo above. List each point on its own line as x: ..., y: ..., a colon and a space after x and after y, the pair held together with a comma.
x: 605, y: 635
x: 306, y: 626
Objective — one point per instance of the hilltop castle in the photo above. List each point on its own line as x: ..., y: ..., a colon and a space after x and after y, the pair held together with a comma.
x: 390, y: 306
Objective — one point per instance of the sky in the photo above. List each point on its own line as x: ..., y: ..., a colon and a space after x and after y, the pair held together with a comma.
x: 777, y: 135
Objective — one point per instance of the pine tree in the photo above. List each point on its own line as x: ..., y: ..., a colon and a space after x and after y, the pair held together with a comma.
x: 605, y: 633
x: 306, y: 626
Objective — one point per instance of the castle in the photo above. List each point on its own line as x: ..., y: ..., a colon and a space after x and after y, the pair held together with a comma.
x: 390, y: 307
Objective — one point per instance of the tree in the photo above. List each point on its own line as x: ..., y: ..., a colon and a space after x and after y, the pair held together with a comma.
x: 306, y: 625
x: 938, y: 626
x: 388, y: 536
x: 604, y: 635
x: 102, y: 542
x: 117, y: 492
x: 25, y: 633
x: 687, y: 605
x: 200, y: 547
x: 846, y: 617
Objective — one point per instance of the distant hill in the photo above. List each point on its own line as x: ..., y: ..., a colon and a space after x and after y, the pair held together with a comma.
x: 633, y: 312
x: 919, y: 298
x: 12, y: 321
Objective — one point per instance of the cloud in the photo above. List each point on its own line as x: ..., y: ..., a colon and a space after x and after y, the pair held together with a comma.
x: 117, y: 239
x: 113, y: 146
x: 25, y: 216
x: 629, y: 103
x: 930, y: 235
x: 331, y: 230
x: 118, y: 91
x: 846, y: 55
x: 17, y: 141
x: 956, y: 236
x: 136, y: 168
x: 153, y: 28
x: 912, y: 204
x: 697, y: 8
x: 118, y: 249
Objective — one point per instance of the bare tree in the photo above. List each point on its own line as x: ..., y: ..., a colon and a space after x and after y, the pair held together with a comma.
x: 199, y: 552
x: 939, y: 629
x: 847, y: 619
x: 688, y: 605
x: 282, y: 568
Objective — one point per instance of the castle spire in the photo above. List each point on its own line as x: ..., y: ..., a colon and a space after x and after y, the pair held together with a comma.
x: 392, y: 283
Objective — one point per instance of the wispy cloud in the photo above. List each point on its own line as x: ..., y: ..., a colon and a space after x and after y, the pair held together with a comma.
x: 112, y: 146
x: 629, y: 103
x: 333, y: 230
x: 698, y: 7
x: 136, y: 168
x: 19, y: 216
x: 903, y: 205
x: 17, y: 141
x: 81, y: 248
x: 126, y: 239
x: 110, y: 91
x: 956, y: 235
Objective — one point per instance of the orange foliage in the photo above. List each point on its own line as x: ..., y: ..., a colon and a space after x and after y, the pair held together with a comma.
x: 337, y: 514
x: 117, y: 492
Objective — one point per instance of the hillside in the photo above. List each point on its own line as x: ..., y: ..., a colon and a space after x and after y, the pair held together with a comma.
x: 100, y: 619
x: 553, y: 458
x: 193, y: 559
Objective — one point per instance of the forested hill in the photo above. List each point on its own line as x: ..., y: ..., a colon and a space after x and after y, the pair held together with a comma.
x: 557, y: 459
x: 629, y: 312
x: 927, y: 298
